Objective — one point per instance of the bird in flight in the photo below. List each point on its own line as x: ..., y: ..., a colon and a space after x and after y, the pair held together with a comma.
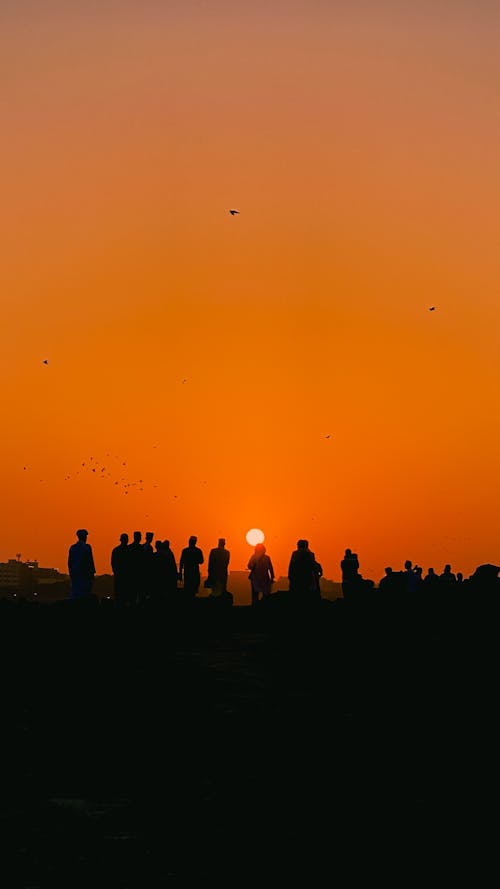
x: 234, y: 212
x: 432, y: 308
x: 328, y: 436
x: 45, y: 361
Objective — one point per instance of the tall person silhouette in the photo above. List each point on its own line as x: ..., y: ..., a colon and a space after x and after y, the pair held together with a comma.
x: 303, y: 573
x: 119, y: 567
x: 149, y: 565
x: 261, y: 573
x: 172, y: 575
x: 350, y: 576
x: 136, y: 569
x: 164, y: 573
x: 218, y: 562
x: 81, y: 566
x: 189, y: 567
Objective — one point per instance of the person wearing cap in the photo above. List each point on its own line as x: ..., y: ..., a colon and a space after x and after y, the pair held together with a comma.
x: 81, y: 566
x: 189, y: 566
x: 120, y: 569
x: 218, y: 562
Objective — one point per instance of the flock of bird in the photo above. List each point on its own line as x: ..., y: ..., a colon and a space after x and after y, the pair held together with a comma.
x: 114, y: 471
x: 93, y: 466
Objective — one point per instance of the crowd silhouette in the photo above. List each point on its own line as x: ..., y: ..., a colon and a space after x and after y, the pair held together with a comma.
x: 199, y: 708
x: 147, y: 572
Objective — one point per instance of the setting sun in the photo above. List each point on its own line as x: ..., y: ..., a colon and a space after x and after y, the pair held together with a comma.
x: 255, y: 536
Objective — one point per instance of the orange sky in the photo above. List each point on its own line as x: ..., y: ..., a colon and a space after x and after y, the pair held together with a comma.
x: 360, y: 143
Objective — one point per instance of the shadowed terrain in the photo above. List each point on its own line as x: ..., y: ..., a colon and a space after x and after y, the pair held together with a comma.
x: 213, y: 741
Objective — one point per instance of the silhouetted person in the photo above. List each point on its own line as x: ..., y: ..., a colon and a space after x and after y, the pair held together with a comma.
x: 411, y: 577
x: 389, y: 582
x: 164, y: 576
x: 149, y: 568
x: 171, y: 575
x: 120, y: 569
x: 136, y: 569
x: 189, y: 567
x: 350, y: 577
x: 431, y: 580
x: 261, y: 573
x: 81, y: 566
x: 317, y: 572
x: 460, y: 577
x: 218, y: 562
x: 301, y: 571
x: 447, y: 579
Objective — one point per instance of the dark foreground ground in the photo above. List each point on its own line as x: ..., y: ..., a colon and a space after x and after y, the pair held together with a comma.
x: 151, y: 748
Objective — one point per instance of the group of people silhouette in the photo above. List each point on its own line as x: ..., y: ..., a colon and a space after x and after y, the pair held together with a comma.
x: 143, y: 572
x: 409, y: 580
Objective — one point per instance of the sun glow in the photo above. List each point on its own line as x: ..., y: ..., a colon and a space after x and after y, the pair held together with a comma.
x: 255, y: 536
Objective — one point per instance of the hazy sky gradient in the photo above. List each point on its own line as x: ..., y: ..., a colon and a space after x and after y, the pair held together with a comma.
x: 360, y: 143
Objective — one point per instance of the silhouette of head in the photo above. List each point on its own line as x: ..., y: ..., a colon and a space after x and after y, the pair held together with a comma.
x: 388, y: 570
x: 301, y: 544
x: 193, y: 540
x: 149, y: 536
x: 137, y: 536
x: 348, y: 553
x: 408, y: 565
x: 447, y: 569
x: 166, y: 544
x: 158, y: 545
x: 222, y: 542
x: 260, y: 549
x: 124, y: 538
x: 82, y: 534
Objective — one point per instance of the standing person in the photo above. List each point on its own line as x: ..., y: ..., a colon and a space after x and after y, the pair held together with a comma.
x: 164, y: 573
x: 261, y: 573
x: 81, y: 566
x: 350, y: 577
x: 189, y: 566
x: 218, y: 562
x: 317, y: 572
x: 160, y: 564
x: 148, y: 571
x: 447, y: 578
x: 136, y: 569
x: 301, y: 574
x: 119, y: 567
x: 171, y: 577
x: 411, y: 577
x: 431, y: 579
